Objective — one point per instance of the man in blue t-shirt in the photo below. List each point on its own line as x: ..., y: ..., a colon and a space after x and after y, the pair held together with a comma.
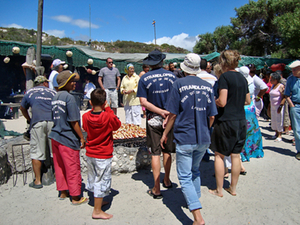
x: 39, y: 99
x: 153, y: 90
x: 292, y: 95
x: 192, y: 109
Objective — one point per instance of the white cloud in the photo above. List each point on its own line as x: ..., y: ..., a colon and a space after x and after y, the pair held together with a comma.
x: 56, y: 33
x: 182, y: 40
x: 62, y: 18
x: 77, y: 22
x: 14, y: 25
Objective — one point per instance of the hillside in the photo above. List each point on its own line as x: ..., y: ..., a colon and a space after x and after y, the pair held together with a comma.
x: 29, y: 36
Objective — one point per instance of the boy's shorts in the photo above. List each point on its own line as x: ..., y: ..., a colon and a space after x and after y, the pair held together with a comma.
x: 99, y: 176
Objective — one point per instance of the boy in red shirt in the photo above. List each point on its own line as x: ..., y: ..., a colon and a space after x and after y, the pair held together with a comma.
x: 99, y: 123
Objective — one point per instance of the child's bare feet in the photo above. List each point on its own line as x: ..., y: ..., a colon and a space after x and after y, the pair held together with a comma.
x: 215, y: 192
x: 101, y: 215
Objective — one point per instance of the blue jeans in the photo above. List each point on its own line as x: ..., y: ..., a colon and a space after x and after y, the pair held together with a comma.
x: 188, y: 158
x: 295, y: 119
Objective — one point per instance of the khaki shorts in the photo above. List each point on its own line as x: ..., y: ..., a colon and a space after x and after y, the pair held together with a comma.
x: 154, y: 135
x: 112, y: 97
x: 40, y: 143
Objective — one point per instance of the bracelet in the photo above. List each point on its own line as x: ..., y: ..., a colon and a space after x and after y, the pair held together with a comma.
x: 258, y: 97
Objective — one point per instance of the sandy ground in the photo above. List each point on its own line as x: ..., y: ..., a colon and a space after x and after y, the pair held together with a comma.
x: 268, y: 194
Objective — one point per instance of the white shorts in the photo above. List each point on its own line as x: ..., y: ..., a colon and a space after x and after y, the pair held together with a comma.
x: 133, y: 114
x: 99, y: 176
x: 39, y: 140
x: 112, y: 97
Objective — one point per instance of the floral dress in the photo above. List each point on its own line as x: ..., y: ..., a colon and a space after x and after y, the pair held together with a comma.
x: 253, y: 146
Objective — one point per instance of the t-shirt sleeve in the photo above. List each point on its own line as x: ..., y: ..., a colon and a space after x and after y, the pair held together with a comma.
x: 55, y: 84
x: 101, y: 73
x: 212, y: 109
x: 118, y: 73
x: 72, y: 110
x: 260, y: 83
x: 222, y: 82
x: 141, y: 92
x: 287, y: 90
x: 25, y: 102
x: 173, y: 101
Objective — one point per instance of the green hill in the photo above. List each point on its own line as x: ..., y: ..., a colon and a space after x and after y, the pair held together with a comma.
x: 29, y: 36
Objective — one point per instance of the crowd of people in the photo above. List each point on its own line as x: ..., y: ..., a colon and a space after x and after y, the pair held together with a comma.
x: 191, y: 111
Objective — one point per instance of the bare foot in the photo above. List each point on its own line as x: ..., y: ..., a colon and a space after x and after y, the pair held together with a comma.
x: 230, y: 191
x: 64, y: 194
x: 215, y: 192
x: 199, y: 223
x: 101, y: 215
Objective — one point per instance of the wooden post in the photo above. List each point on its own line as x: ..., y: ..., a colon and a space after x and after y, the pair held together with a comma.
x: 39, y: 69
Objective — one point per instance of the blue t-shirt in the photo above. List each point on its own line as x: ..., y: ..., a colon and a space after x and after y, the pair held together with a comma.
x: 292, y: 89
x: 192, y: 100
x: 155, y: 86
x: 39, y: 99
x: 65, y: 110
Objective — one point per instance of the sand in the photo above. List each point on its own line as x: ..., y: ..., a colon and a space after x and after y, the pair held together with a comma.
x: 268, y: 194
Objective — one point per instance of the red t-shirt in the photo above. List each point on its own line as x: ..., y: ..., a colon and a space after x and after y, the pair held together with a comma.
x: 99, y: 128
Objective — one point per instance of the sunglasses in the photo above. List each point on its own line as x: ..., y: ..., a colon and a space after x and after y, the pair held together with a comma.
x: 110, y: 62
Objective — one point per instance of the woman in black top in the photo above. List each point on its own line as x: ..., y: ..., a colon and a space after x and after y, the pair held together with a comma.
x: 230, y: 129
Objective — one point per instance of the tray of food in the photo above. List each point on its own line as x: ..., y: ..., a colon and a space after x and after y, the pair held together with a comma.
x: 129, y: 132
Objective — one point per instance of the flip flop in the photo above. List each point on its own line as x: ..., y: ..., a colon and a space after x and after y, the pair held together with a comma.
x: 82, y: 201
x: 149, y: 192
x: 36, y: 186
x: 165, y: 186
x: 243, y: 173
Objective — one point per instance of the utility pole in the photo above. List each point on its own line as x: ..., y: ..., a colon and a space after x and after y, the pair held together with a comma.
x: 39, y: 69
x: 154, y: 31
x: 90, y: 41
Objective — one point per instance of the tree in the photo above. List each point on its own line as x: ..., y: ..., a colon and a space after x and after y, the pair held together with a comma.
x: 289, y: 26
x: 254, y: 23
x: 205, y: 45
x: 260, y: 27
x: 223, y: 37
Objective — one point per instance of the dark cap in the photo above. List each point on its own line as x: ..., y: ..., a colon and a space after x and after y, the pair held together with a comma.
x: 154, y: 58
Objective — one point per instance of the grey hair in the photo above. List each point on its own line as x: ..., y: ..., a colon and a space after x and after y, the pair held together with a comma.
x: 276, y: 76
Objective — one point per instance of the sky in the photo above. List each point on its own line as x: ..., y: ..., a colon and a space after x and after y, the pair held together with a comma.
x: 178, y: 23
